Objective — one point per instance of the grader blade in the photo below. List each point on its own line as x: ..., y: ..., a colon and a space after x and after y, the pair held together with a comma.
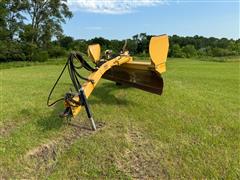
x: 144, y: 75
x: 141, y: 78
x: 119, y: 68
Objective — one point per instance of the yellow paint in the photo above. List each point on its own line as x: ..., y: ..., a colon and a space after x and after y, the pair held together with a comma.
x: 96, y: 76
x: 158, y: 50
x: 94, y: 52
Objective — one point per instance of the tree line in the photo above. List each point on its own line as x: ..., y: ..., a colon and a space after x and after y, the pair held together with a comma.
x: 28, y: 27
x: 180, y: 47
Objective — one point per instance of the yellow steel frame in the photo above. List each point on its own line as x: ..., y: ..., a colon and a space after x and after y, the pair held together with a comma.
x: 158, y: 50
x: 96, y: 76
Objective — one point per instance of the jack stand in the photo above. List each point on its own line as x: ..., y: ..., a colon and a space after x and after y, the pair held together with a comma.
x: 85, y: 104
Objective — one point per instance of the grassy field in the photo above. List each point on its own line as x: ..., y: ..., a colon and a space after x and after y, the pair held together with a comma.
x: 191, y: 131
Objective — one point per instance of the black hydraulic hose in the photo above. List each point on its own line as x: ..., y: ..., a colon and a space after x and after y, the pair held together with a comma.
x: 84, y: 63
x: 50, y: 94
x: 82, y: 76
x: 72, y: 73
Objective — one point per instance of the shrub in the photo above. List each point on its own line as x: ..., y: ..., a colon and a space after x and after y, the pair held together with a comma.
x: 189, y: 51
x: 83, y: 47
x: 218, y: 52
x: 56, y: 52
x: 11, y: 51
x: 16, y: 56
x: 202, y: 52
x: 177, y: 52
x: 40, y: 56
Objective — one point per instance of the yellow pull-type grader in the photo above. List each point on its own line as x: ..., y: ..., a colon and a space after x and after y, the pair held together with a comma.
x: 120, y: 68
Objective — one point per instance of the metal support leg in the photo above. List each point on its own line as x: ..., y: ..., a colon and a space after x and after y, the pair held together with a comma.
x: 85, y: 103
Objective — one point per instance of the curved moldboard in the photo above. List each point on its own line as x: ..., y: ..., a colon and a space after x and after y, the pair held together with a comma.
x: 147, y: 80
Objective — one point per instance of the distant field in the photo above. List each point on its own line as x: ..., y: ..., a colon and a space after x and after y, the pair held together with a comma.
x: 191, y: 131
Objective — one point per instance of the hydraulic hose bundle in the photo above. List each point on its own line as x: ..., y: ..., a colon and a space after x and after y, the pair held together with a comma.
x: 74, y: 76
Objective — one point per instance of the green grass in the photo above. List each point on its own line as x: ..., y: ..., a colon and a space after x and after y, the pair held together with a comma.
x: 191, y: 131
x: 221, y: 59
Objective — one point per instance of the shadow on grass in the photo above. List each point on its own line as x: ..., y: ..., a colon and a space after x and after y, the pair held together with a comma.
x: 104, y: 94
x: 53, y: 121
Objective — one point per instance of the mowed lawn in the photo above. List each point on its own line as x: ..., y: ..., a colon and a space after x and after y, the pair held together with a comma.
x: 191, y: 131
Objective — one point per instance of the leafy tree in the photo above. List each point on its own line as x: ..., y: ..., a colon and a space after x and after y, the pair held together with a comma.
x: 132, y: 46
x: 105, y: 43
x: 135, y: 37
x: 223, y: 43
x: 116, y: 45
x: 144, y: 42
x: 13, y: 17
x: 29, y: 47
x: 10, y: 24
x: 46, y: 17
x: 219, y: 52
x: 66, y: 42
x: 82, y: 46
x: 3, y: 25
x: 176, y: 51
x: 27, y: 33
x: 189, y: 51
x: 56, y: 51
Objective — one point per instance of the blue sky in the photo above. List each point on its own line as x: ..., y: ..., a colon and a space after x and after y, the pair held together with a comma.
x: 121, y: 19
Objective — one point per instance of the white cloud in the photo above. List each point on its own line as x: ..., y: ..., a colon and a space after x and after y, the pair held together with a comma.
x: 111, y: 6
